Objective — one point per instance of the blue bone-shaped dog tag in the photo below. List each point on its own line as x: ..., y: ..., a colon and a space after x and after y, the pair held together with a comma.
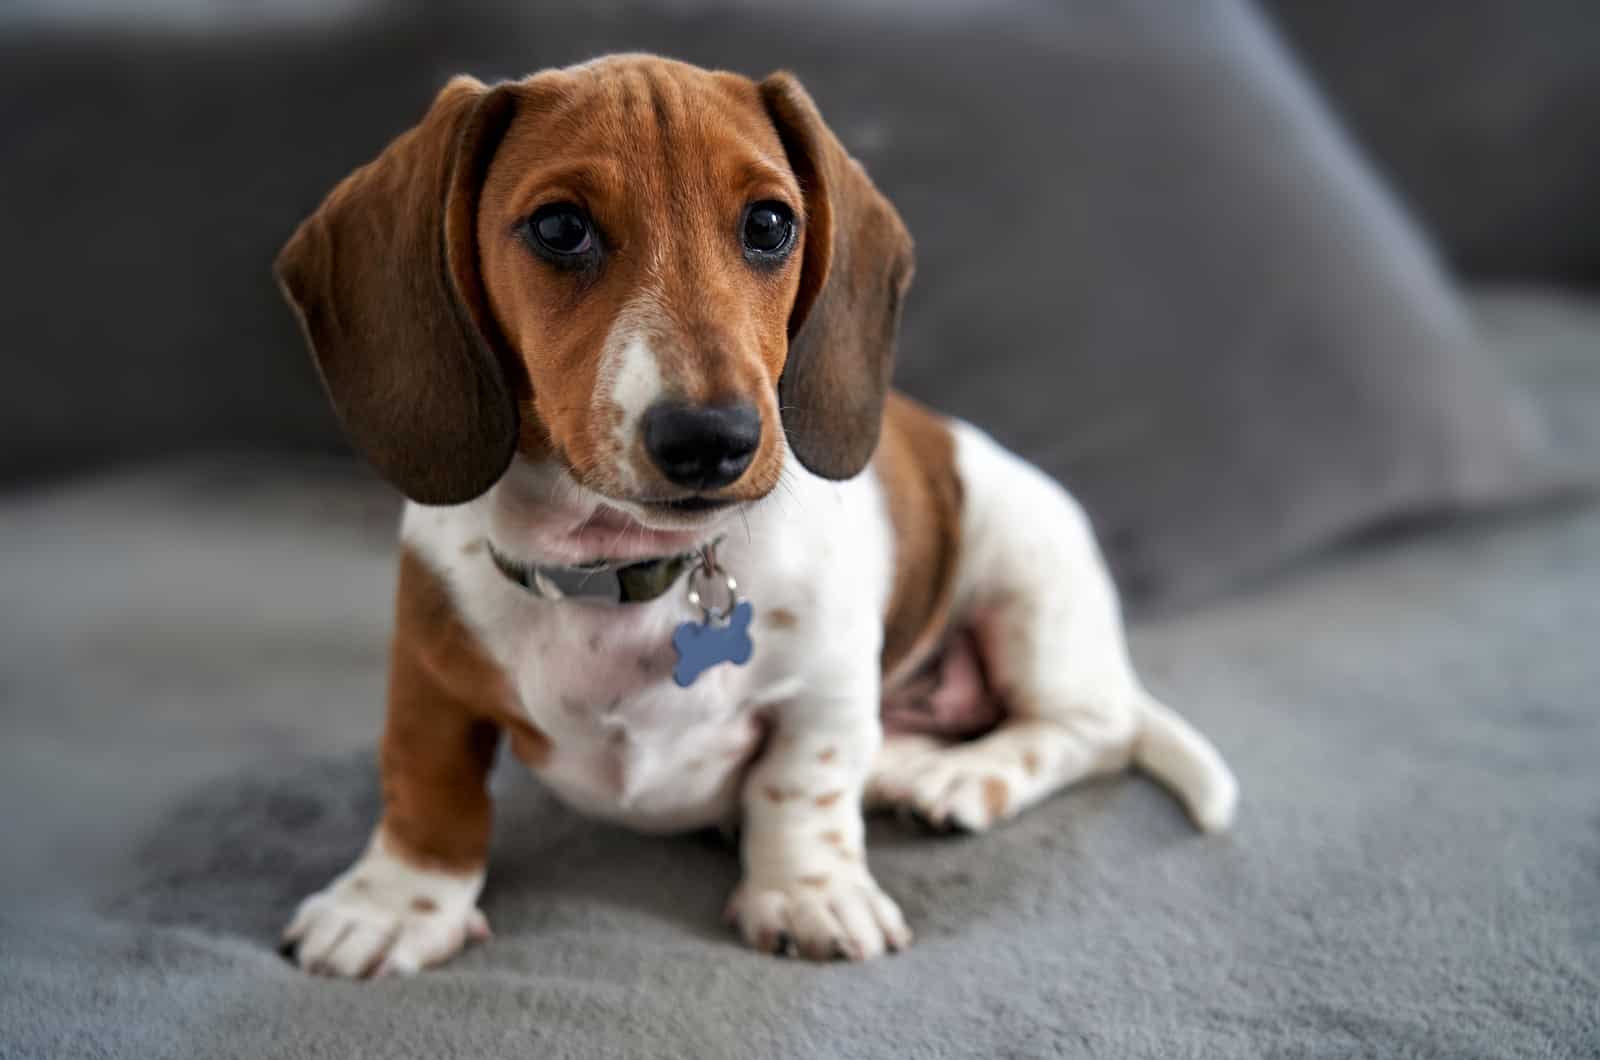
x: 702, y: 645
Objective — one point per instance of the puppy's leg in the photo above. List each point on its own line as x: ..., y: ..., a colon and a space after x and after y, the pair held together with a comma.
x: 1050, y: 630
x: 806, y: 881
x: 410, y: 900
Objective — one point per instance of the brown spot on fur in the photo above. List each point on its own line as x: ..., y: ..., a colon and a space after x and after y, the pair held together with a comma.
x: 819, y: 880
x: 423, y: 904
x: 995, y: 796
x: 824, y: 801
x: 448, y: 704
x: 850, y: 856
x: 360, y: 884
x: 833, y: 836
x: 827, y: 754
x: 774, y: 793
x: 781, y: 618
x: 915, y: 464
x: 529, y: 745
x: 472, y: 548
x: 366, y: 971
x: 1030, y: 763
x: 594, y: 642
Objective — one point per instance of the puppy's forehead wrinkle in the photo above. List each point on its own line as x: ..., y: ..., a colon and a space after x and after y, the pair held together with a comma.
x: 661, y: 114
x: 666, y: 105
x: 774, y: 169
x: 588, y: 176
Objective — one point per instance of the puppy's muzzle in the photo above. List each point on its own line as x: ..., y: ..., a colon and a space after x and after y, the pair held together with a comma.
x: 702, y: 447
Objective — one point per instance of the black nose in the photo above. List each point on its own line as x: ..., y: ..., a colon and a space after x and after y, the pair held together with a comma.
x: 702, y: 446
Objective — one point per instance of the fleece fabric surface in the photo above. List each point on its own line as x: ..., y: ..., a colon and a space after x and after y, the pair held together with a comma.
x: 190, y: 678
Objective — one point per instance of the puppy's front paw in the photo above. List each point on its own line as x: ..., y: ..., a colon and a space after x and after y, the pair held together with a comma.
x: 385, y: 917
x: 821, y: 917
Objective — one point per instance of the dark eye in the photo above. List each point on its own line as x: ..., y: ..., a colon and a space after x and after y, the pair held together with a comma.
x: 561, y: 230
x: 768, y: 228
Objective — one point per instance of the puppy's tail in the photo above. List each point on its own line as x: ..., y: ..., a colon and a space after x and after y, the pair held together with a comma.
x: 1174, y: 752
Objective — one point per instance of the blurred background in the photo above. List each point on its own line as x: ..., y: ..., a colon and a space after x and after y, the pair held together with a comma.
x: 1300, y: 298
x: 1120, y: 201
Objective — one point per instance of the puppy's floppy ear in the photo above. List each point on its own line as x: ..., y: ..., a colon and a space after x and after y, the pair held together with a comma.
x: 857, y: 267
x: 384, y: 277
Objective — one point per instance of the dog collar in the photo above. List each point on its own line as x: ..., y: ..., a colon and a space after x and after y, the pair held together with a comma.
x: 630, y: 583
x: 721, y: 636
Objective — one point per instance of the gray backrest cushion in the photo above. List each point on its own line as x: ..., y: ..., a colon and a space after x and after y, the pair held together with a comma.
x: 1485, y: 113
x: 1147, y: 257
x: 150, y: 179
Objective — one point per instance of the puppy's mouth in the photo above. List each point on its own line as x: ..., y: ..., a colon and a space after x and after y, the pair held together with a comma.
x: 684, y: 511
x: 549, y: 515
x: 696, y: 505
x: 695, y: 512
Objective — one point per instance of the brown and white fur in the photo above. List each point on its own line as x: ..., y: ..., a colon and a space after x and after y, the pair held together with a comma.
x: 504, y: 397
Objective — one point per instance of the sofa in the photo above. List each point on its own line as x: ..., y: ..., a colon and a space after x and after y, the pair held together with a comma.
x: 1301, y: 303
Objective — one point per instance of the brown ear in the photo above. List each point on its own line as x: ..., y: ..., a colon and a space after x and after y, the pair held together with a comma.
x: 384, y: 278
x: 857, y: 266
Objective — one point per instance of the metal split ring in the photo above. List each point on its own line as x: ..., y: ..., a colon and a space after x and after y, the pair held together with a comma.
x: 709, y: 569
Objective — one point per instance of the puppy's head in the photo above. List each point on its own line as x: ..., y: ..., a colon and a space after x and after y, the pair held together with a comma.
x: 644, y: 273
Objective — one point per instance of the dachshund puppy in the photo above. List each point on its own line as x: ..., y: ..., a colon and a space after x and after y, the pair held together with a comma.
x: 622, y: 334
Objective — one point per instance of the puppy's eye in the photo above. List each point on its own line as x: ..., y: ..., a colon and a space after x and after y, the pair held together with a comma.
x: 768, y: 228
x: 561, y: 230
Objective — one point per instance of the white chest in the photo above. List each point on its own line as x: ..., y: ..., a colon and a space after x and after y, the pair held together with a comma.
x: 627, y: 743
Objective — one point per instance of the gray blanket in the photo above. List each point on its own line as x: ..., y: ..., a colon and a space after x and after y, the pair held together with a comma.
x: 191, y: 667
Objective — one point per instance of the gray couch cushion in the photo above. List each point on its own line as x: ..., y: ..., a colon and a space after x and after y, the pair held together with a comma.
x: 1148, y: 258
x: 1549, y: 341
x: 190, y: 687
x: 1485, y: 114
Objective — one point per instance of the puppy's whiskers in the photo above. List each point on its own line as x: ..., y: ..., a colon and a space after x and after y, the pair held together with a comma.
x: 586, y: 521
